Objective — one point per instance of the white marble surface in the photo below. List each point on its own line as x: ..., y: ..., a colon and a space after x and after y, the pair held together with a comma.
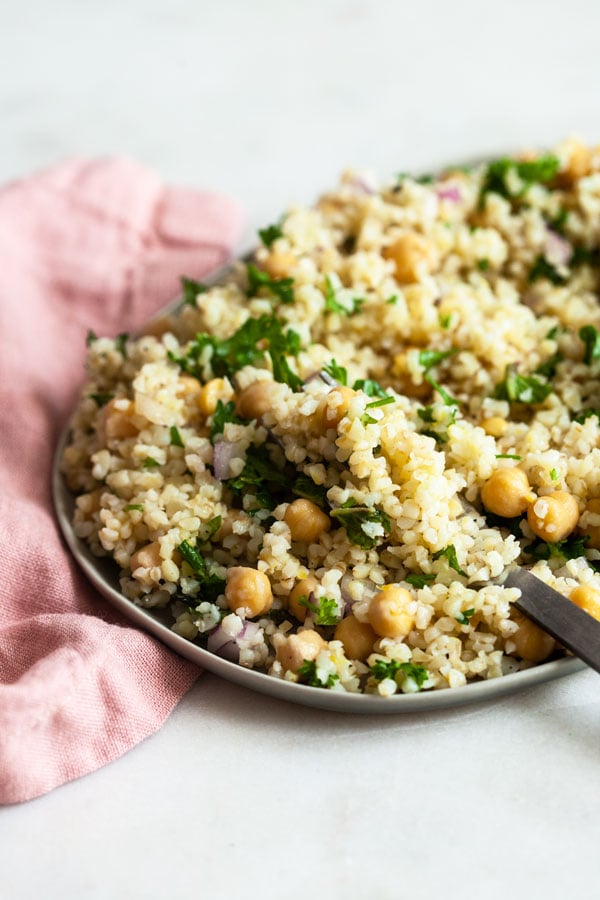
x: 240, y: 796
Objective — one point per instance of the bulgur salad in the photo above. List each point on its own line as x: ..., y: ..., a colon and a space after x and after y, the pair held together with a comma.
x: 322, y: 465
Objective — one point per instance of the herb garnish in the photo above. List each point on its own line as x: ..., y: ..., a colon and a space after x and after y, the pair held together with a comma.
x: 259, y: 477
x: 549, y: 366
x: 333, y: 305
x: 338, y: 373
x: 190, y: 290
x: 464, y: 616
x: 354, y: 517
x: 571, y: 548
x: 270, y: 234
x: 90, y: 338
x: 101, y: 399
x: 419, y: 580
x: 326, y: 612
x: 541, y: 268
x: 131, y: 507
x: 151, y: 463
x: 521, y: 388
x: 176, y: 439
x: 449, y: 553
x: 501, y: 172
x: 225, y: 412
x: 305, y: 487
x: 307, y: 674
x: 282, y: 288
x: 211, y: 585
x: 586, y: 414
x: 383, y: 669
x: 372, y: 389
x: 591, y: 338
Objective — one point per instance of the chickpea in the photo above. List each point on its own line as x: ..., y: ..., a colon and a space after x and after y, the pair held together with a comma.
x: 249, y: 590
x: 578, y: 164
x: 554, y: 516
x: 255, y: 400
x: 302, y: 589
x: 158, y: 327
x: 531, y: 642
x: 405, y: 384
x: 306, y: 645
x: 593, y: 531
x: 495, y: 426
x: 411, y: 255
x: 306, y: 521
x: 588, y: 599
x: 388, y: 612
x: 357, y: 637
x: 335, y: 406
x: 187, y: 386
x: 146, y: 557
x: 210, y: 393
x: 278, y: 264
x: 507, y: 493
x: 117, y: 421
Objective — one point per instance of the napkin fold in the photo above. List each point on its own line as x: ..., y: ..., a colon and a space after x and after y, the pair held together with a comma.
x: 97, y: 244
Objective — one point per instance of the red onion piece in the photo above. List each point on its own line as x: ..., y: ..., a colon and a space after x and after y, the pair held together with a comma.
x: 451, y: 192
x: 223, y: 453
x: 557, y: 250
x: 222, y: 644
x: 362, y: 185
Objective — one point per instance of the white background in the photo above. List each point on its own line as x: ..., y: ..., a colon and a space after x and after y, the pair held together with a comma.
x: 240, y: 796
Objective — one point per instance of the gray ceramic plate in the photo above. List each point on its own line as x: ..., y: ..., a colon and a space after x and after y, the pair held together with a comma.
x: 103, y: 575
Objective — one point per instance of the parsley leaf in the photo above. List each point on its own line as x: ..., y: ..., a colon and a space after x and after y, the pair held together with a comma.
x: 521, y: 388
x: 571, y: 548
x: 270, y: 234
x: 176, y: 439
x: 586, y: 414
x: 326, y: 613
x: 371, y: 389
x: 209, y: 529
x: 150, y: 463
x: 282, y: 288
x: 260, y: 478
x: 121, y: 344
x: 554, y: 474
x: 338, y: 373
x: 497, y: 178
x: 391, y: 301
x: 508, y: 456
x: 306, y: 488
x: 449, y: 553
x: 430, y: 358
x: 354, y: 518
x: 464, y: 616
x: 190, y: 290
x: 130, y: 507
x: 102, y: 399
x: 549, y: 366
x: 483, y: 264
x: 225, y: 412
x: 445, y: 320
x: 333, y: 305
x: 383, y: 668
x: 419, y: 580
x: 307, y: 674
x: 244, y: 348
x: 541, y: 268
x: 211, y: 585
x: 591, y: 338
x: 382, y: 401
x: 447, y: 398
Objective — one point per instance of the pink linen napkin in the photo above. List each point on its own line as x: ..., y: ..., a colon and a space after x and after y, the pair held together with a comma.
x: 94, y: 244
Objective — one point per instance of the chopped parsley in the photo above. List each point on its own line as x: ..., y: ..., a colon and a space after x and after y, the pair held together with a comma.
x: 483, y: 265
x: 333, y: 305
x: 151, y: 463
x: 131, y: 507
x: 260, y: 478
x: 101, y: 399
x: 244, y: 348
x: 176, y: 439
x: 211, y: 585
x: 270, y: 234
x: 570, y: 548
x: 121, y: 344
x: 586, y: 414
x: 449, y: 553
x: 558, y: 222
x: 382, y: 401
x: 281, y: 288
x: 91, y: 337
x: 209, y: 529
x: 372, y: 389
x: 354, y: 518
x: 512, y: 178
x: 464, y: 616
x: 326, y: 613
x: 445, y: 320
x: 508, y: 456
x: 190, y: 290
x: 549, y: 366
x: 430, y: 358
x: 338, y: 373
x: 554, y: 474
x: 305, y: 487
x: 383, y: 669
x: 521, y: 388
x: 541, y: 268
x: 391, y: 301
x: 591, y: 338
x: 307, y: 674
x: 419, y: 580
x: 225, y: 412
x: 447, y: 398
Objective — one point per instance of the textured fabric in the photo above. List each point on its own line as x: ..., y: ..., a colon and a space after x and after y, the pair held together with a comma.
x: 96, y: 244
